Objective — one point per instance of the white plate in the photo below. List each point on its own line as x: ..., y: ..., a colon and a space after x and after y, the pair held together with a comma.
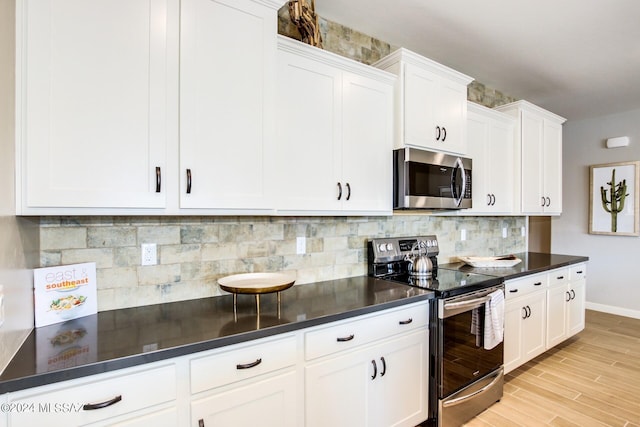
x: 257, y: 283
x: 489, y: 261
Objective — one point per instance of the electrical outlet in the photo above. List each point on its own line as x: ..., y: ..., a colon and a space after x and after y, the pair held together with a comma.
x: 149, y: 254
x: 301, y: 245
x: 523, y: 231
x: 504, y: 232
x: 463, y: 234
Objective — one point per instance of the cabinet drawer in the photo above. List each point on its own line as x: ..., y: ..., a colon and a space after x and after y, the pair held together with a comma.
x: 351, y: 333
x: 63, y: 405
x: 577, y: 272
x: 227, y: 367
x: 522, y: 286
x: 558, y: 276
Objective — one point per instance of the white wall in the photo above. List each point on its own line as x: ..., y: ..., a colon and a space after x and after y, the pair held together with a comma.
x: 18, y: 236
x: 613, y: 282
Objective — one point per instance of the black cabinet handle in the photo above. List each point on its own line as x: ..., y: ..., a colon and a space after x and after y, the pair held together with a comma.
x: 188, y: 181
x: 344, y: 339
x: 560, y: 277
x: 573, y: 294
x: 437, y: 133
x: 348, y: 191
x: 384, y: 367
x: 525, y: 312
x: 444, y: 130
x: 249, y: 365
x: 94, y: 406
x: 375, y: 370
x: 493, y: 202
x: 568, y: 296
x: 543, y: 202
x: 339, y: 191
x: 548, y: 201
x: 579, y: 272
x: 158, y: 179
x: 513, y: 291
x: 537, y: 284
x: 405, y: 322
x: 488, y: 199
x: 200, y: 422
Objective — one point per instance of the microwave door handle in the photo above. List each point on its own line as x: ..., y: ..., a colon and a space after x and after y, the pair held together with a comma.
x: 458, y: 165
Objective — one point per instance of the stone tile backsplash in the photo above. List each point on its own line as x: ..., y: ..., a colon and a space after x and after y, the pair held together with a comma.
x: 193, y: 252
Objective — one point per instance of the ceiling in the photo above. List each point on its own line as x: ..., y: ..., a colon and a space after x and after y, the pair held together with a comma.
x: 576, y: 58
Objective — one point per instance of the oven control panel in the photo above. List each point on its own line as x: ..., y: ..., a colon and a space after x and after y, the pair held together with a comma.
x: 395, y: 249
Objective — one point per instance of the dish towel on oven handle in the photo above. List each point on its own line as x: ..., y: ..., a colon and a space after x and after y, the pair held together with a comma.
x: 494, y: 320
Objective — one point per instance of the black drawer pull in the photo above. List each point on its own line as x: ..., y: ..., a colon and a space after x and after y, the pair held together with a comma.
x: 188, y: 181
x: 579, y: 272
x: 405, y: 322
x: 344, y: 339
x: 93, y: 406
x: 249, y: 365
x: 384, y: 367
x: 568, y: 296
x: 513, y: 291
x: 200, y: 422
x: 560, y: 277
x: 537, y: 284
x: 375, y: 370
x: 158, y: 179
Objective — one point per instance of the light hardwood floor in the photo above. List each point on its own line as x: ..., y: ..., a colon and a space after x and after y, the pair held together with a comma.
x: 592, y: 379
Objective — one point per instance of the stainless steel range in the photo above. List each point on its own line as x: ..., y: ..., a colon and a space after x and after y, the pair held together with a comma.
x: 466, y: 374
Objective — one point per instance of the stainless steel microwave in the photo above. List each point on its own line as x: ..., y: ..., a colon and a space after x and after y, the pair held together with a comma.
x: 430, y: 180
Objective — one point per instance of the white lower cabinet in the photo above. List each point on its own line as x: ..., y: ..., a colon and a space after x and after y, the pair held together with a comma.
x: 541, y: 311
x: 362, y: 388
x: 270, y: 402
x: 383, y: 382
x: 524, y: 329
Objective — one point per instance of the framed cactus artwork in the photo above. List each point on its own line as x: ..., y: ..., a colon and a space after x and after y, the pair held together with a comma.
x: 614, y: 198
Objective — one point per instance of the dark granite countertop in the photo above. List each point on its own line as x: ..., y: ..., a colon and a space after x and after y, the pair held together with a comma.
x: 532, y: 262
x: 123, y: 338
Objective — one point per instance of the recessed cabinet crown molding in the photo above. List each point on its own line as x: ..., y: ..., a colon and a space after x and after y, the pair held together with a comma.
x: 430, y: 102
x: 539, y: 144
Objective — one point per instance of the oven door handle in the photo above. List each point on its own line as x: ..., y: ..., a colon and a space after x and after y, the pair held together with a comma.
x: 472, y: 303
x: 462, y: 399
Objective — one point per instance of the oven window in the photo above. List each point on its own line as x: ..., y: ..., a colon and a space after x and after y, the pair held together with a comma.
x: 464, y: 358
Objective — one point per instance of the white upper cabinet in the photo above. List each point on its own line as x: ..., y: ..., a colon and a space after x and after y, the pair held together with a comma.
x: 539, y: 138
x: 334, y: 134
x: 227, y: 92
x: 430, y: 104
x: 91, y: 104
x: 491, y: 141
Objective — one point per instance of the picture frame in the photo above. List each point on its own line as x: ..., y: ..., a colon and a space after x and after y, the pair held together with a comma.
x: 613, y: 198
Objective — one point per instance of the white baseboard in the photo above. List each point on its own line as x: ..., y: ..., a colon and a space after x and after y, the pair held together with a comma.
x: 627, y: 312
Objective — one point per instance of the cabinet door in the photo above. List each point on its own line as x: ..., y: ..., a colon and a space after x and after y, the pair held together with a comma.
x: 92, y: 106
x: 355, y: 389
x: 226, y: 102
x: 557, y: 306
x: 532, y: 132
x: 500, y: 174
x: 478, y: 132
x: 420, y: 92
x: 552, y: 174
x: 576, y: 307
x: 270, y: 403
x: 451, y: 113
x: 337, y: 390
x: 308, y: 134
x: 367, y: 144
x: 405, y: 381
x: 533, y: 327
x: 513, y: 317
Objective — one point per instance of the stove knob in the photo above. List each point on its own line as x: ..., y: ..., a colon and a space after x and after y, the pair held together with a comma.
x: 382, y: 247
x: 434, y: 243
x: 428, y: 242
x: 389, y: 246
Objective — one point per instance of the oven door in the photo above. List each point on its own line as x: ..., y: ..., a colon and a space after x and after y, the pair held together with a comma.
x: 464, y: 358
